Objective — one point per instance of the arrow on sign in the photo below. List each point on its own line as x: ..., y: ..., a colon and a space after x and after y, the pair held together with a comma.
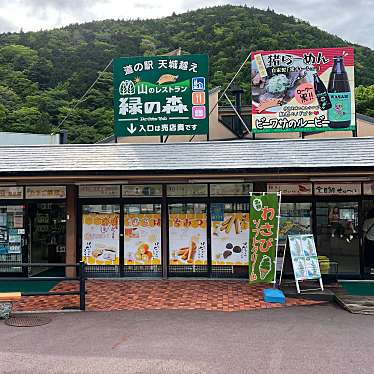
x: 131, y: 129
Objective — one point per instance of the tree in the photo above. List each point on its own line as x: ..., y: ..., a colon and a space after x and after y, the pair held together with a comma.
x: 27, y: 119
x: 19, y: 56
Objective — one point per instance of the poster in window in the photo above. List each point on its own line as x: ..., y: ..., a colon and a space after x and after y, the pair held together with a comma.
x: 188, y: 239
x: 100, y: 238
x: 230, y: 237
x: 18, y: 221
x: 142, y: 239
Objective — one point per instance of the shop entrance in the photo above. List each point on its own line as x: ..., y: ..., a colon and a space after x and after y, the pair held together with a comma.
x: 368, y: 236
x: 338, y: 235
x: 47, y: 237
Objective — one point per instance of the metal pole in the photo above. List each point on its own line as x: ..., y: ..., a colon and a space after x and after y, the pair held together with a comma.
x: 279, y: 194
x: 82, y: 286
x: 237, y: 113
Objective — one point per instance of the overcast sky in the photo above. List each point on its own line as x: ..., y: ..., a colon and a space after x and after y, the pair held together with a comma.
x: 352, y: 20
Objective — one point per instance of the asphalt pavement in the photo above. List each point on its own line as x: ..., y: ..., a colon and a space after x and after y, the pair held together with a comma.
x: 310, y: 339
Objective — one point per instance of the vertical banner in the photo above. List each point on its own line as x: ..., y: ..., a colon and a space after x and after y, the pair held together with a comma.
x: 142, y: 239
x: 100, y: 238
x: 188, y: 239
x: 263, y: 236
x: 303, y: 90
x: 161, y: 95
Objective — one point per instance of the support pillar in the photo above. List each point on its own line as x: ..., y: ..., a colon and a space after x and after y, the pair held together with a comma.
x: 71, y: 229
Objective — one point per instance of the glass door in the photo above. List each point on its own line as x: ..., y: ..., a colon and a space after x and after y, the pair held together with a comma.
x: 100, y: 239
x: 47, y: 237
x: 142, y: 239
x: 337, y: 235
x: 368, y: 236
x: 188, y: 250
x: 12, y: 238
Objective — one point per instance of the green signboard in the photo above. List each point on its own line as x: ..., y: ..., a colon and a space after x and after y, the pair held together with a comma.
x: 263, y: 238
x: 163, y: 95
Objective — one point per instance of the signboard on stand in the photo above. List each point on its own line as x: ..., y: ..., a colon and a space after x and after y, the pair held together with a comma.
x: 161, y: 95
x: 303, y: 90
x: 304, y: 259
x: 263, y: 237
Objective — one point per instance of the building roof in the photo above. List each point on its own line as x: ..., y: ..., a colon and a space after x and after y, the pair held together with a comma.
x: 200, y: 157
x: 365, y: 118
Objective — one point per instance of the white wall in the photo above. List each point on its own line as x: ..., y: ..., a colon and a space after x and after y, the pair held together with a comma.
x: 12, y: 138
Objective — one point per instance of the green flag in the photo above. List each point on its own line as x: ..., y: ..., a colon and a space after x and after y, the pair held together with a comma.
x: 263, y: 238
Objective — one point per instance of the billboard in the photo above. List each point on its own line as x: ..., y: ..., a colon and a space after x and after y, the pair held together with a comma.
x: 303, y: 90
x: 163, y: 95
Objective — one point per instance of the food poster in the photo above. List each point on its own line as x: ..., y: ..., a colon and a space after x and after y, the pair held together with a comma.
x: 304, y: 257
x: 188, y: 239
x: 303, y: 90
x: 230, y: 237
x: 142, y: 239
x: 100, y: 238
x: 263, y: 237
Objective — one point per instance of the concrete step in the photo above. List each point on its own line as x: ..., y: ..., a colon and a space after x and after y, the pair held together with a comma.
x: 355, y: 303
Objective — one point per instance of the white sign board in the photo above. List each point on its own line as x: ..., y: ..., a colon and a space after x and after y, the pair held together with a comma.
x: 304, y: 258
x: 45, y: 192
x: 340, y: 189
x: 290, y: 188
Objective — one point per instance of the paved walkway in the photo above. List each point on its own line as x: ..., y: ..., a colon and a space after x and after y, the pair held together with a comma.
x: 322, y: 339
x: 108, y: 295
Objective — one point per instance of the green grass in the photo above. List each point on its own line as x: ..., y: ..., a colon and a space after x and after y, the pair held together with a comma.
x: 359, y: 288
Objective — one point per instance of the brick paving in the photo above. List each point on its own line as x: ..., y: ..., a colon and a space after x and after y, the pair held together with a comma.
x: 107, y: 295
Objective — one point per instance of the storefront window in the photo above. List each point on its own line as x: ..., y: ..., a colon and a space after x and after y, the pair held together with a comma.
x: 230, y: 234
x: 188, y: 237
x: 189, y: 190
x: 139, y: 190
x: 99, y: 190
x: 296, y: 218
x: 337, y: 235
x: 231, y: 189
x: 100, y: 234
x: 12, y: 233
x: 142, y: 245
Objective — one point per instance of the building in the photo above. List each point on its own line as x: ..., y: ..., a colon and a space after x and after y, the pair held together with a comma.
x: 150, y: 209
x: 16, y: 138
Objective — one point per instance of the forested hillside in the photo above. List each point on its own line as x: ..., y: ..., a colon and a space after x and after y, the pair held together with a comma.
x: 43, y: 74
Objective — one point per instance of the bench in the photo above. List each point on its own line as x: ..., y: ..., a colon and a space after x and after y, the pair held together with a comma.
x: 6, y: 300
